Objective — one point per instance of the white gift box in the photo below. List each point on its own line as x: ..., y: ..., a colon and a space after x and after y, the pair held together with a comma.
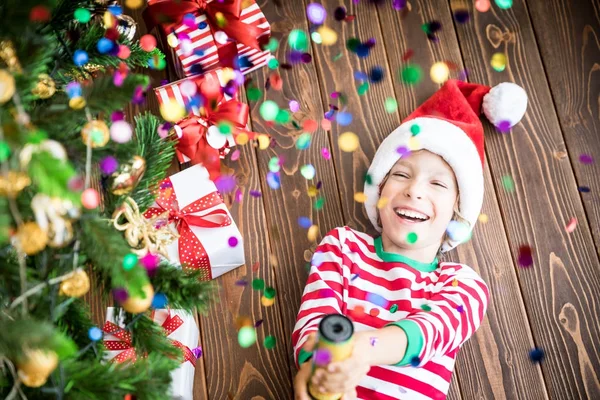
x: 182, y: 385
x: 193, y: 184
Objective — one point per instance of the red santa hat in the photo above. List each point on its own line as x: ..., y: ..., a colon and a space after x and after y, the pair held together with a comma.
x: 448, y: 125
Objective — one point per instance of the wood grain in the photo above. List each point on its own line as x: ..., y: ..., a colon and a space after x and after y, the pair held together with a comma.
x: 492, y: 363
x: 561, y: 288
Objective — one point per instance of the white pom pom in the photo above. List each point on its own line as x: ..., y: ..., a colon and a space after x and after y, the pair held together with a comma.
x: 505, y: 102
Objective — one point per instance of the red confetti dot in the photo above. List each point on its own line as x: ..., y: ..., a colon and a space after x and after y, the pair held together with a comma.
x: 358, y: 311
x: 374, y: 312
x: 525, y: 256
x: 255, y: 267
x: 310, y: 125
x: 276, y: 81
x: 408, y: 54
x: 571, y: 226
x: 39, y: 14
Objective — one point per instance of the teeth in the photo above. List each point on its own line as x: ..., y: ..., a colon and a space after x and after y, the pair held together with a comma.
x: 412, y: 214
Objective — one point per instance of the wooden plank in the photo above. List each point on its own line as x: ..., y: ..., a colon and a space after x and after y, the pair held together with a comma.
x: 570, y: 54
x: 290, y: 246
x: 563, y: 283
x: 479, y: 369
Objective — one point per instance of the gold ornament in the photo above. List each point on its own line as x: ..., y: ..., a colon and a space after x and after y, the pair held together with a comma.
x: 45, y: 87
x: 54, y: 216
x: 76, y: 285
x: 31, y: 238
x: 9, y: 56
x: 128, y: 176
x: 7, y: 86
x: 12, y: 183
x: 136, y: 305
x: 97, y: 132
x: 140, y: 232
x: 56, y: 149
x: 37, y: 366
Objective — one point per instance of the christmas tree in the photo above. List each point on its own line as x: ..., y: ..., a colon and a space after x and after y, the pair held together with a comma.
x: 75, y: 180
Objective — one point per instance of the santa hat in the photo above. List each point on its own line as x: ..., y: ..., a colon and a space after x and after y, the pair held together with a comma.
x: 448, y: 125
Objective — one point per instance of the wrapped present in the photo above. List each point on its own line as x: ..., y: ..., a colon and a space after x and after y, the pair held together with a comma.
x: 203, y: 35
x: 179, y: 326
x: 208, y: 239
x: 200, y: 139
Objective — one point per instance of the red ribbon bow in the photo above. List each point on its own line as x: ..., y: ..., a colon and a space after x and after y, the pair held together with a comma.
x: 193, y: 142
x: 123, y: 344
x: 169, y: 14
x: 170, y: 325
x: 192, y: 253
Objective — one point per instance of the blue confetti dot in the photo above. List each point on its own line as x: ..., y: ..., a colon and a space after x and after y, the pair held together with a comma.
x: 377, y: 300
x: 244, y: 62
x: 415, y: 361
x: 344, y: 118
x: 536, y: 355
x: 115, y: 10
x: 95, y: 334
x: 273, y: 180
x: 104, y: 45
x: 196, y: 69
x: 362, y: 50
x: 304, y: 222
x: 198, y: 52
x: 359, y: 75
x: 80, y: 57
x: 376, y: 74
x: 159, y: 300
x: 317, y: 258
x: 202, y: 25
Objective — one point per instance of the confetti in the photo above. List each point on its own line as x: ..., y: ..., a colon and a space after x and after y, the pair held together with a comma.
x: 411, y: 238
x: 268, y: 110
x: 263, y: 141
x: 313, y: 231
x: 325, y: 153
x: 298, y: 40
x: 415, y: 361
x: 360, y: 197
x: 391, y: 105
x: 235, y: 155
x: 319, y: 203
x: 504, y: 126
x: 344, y: 118
x: 377, y: 300
x: 571, y: 225
x: 355, y: 276
x: 498, y: 62
x: 376, y: 74
x: 483, y: 218
x: 415, y: 129
x: 258, y: 323
x: 253, y: 93
x: 172, y: 111
x: 536, y: 355
x: 362, y: 88
x: 322, y: 357
x: 247, y: 336
x: 328, y: 36
x: 425, y: 307
x: 373, y: 341
x: 460, y: 309
x: 504, y: 4
x: 348, y: 142
x: 374, y: 312
x: 241, y: 282
x: 270, y: 342
x: 307, y: 171
x: 270, y: 293
x: 294, y: 106
x: 508, y: 183
x: 458, y: 231
x: 340, y: 13
x: 326, y: 124
x: 255, y: 193
x: 411, y: 74
x: 316, y: 13
x: 394, y: 308
x: 304, y: 222
x: 461, y: 16
x: 439, y: 72
x: 258, y: 284
x: 584, y: 189
x: 310, y: 125
x: 317, y: 259
x: 483, y: 5
x: 525, y: 257
x: 233, y: 241
x: 382, y: 202
x: 403, y: 151
x: 586, y: 159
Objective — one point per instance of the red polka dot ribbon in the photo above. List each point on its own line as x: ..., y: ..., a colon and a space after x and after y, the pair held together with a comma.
x: 192, y: 253
x: 123, y: 344
x: 170, y: 325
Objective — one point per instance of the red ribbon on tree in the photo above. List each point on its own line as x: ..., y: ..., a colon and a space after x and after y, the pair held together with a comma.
x: 221, y: 15
x: 193, y: 142
x: 192, y: 253
x: 170, y: 325
x: 123, y: 344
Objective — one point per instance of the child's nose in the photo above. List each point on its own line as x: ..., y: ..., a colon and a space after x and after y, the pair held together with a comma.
x: 413, y: 191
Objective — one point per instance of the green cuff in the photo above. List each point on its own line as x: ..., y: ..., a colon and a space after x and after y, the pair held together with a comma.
x: 414, y: 338
x: 304, y: 356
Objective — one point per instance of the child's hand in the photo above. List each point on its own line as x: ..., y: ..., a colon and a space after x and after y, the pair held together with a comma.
x: 344, y: 376
x: 303, y: 375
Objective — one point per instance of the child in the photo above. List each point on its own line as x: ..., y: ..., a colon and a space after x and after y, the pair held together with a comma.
x: 411, y: 313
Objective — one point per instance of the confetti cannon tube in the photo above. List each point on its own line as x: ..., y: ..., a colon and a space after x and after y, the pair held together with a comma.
x: 335, y: 335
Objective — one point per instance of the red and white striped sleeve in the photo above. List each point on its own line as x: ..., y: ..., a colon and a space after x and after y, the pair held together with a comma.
x: 323, y: 293
x: 448, y: 319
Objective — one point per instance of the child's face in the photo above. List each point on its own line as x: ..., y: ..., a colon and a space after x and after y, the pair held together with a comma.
x: 424, y: 183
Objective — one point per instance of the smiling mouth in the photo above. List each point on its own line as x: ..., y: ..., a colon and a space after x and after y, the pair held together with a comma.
x: 410, y: 215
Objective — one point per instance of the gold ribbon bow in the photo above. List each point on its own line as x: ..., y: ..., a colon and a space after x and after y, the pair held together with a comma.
x: 141, y: 233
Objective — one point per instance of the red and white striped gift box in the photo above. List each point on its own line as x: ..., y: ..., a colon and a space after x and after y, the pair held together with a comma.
x: 204, y: 48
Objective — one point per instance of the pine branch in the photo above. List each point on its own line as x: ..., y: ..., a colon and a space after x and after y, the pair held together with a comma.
x: 184, y: 289
x: 75, y: 323
x: 149, y: 338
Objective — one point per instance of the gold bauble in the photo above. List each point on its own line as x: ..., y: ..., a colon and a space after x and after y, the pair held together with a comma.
x: 7, y: 86
x: 9, y: 56
x: 136, y: 305
x: 32, y: 239
x: 128, y: 175
x: 37, y: 366
x: 75, y: 286
x: 12, y: 183
x: 98, y: 132
x: 45, y: 87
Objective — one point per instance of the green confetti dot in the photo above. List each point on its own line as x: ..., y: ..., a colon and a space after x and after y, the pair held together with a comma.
x: 425, y: 28
x: 425, y: 307
x: 82, y: 15
x: 225, y: 127
x: 272, y: 45
x: 274, y: 164
x: 316, y: 37
x: 270, y: 342
x: 254, y: 94
x: 273, y: 63
x: 411, y: 74
x: 319, y: 203
x: 129, y: 261
x: 391, y: 105
x: 269, y: 110
x: 247, y: 336
x: 368, y: 179
x: 394, y: 308
x: 303, y: 141
x: 298, y: 40
x: 283, y: 117
x: 415, y: 129
x: 508, y: 183
x: 411, y: 238
x: 362, y: 89
x: 258, y: 284
x: 352, y: 44
x: 270, y: 293
x: 504, y: 4
x: 4, y: 151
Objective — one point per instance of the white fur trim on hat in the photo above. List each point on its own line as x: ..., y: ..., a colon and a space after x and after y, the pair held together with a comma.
x: 448, y: 141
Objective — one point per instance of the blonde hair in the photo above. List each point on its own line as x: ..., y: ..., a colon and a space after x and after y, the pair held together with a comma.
x: 456, y: 216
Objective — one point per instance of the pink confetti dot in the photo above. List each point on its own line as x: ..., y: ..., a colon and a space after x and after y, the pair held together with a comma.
x: 235, y: 155
x: 403, y: 151
x: 586, y: 159
x: 325, y: 153
x: 294, y: 106
x: 233, y: 241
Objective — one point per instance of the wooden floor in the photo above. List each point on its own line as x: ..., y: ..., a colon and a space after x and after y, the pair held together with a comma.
x: 553, y: 51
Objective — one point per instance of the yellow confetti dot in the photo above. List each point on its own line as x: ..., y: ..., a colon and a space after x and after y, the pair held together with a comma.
x: 172, y: 40
x: 382, y: 202
x: 241, y: 139
x: 77, y: 103
x: 498, y: 62
x: 172, y: 111
x: 439, y: 72
x: 455, y: 282
x: 133, y: 4
x: 483, y: 218
x: 413, y: 143
x: 360, y: 197
x: 348, y: 142
x: 108, y: 20
x: 313, y: 231
x: 328, y: 35
x: 263, y: 141
x: 267, y: 302
x: 312, y: 191
x: 227, y: 74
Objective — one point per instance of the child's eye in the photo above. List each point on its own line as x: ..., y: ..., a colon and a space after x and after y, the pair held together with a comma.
x: 440, y: 185
x: 401, y: 174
